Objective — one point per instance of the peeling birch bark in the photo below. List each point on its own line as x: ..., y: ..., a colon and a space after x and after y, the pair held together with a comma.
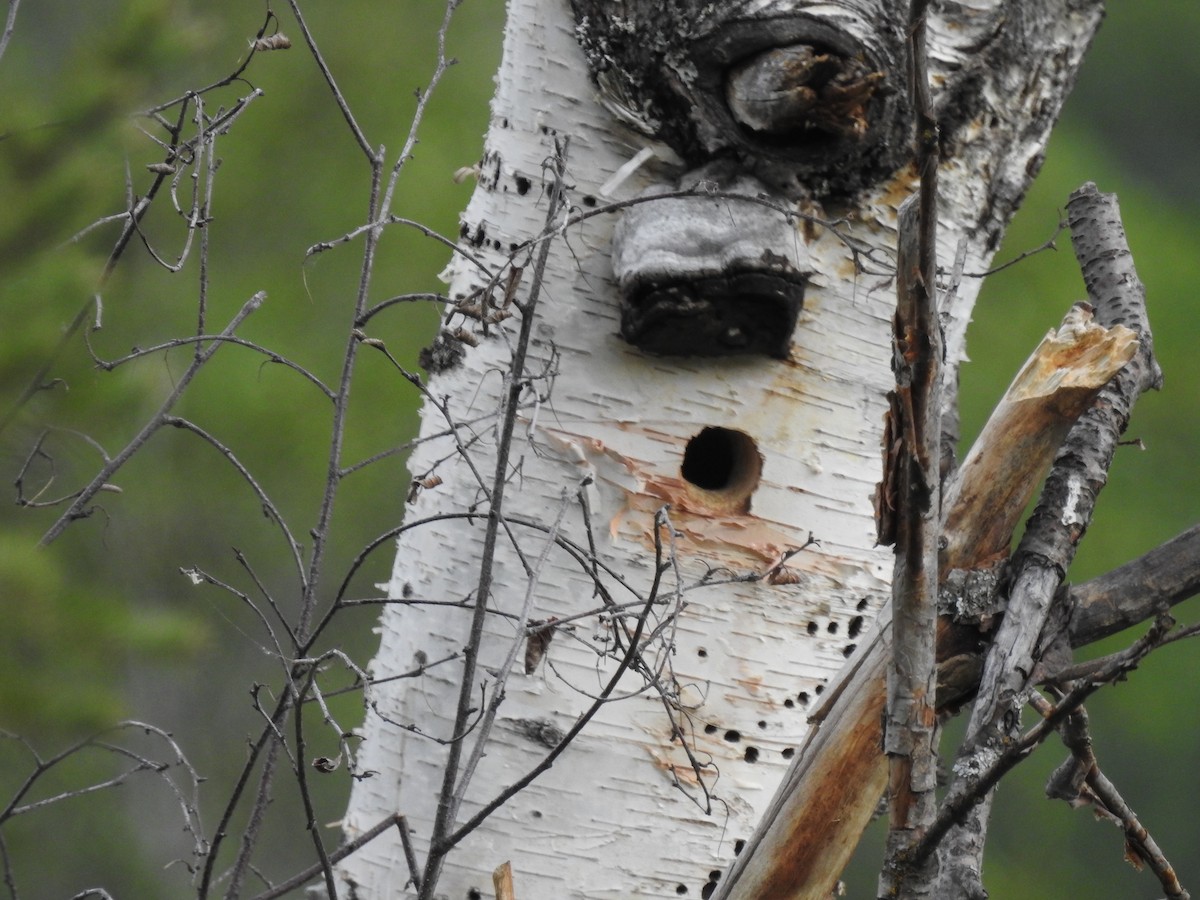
x: 754, y: 454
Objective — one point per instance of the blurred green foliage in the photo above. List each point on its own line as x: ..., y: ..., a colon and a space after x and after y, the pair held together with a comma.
x: 102, y: 625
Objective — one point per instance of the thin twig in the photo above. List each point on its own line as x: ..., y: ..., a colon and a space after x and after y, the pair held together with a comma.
x: 443, y: 821
x: 9, y: 24
x: 338, y: 97
x: 302, y: 878
x: 310, y: 817
x: 77, y: 509
x: 484, y: 729
x: 271, y: 510
x: 627, y: 660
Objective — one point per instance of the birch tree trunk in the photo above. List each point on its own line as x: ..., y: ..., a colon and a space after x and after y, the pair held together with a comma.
x: 755, y: 422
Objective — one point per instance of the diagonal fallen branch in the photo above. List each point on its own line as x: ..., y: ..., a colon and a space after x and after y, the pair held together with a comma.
x: 830, y: 792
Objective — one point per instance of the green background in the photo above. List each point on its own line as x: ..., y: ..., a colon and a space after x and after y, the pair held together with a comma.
x: 102, y: 625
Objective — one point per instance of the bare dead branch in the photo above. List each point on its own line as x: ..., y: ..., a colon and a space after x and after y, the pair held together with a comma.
x: 78, y: 508
x: 1167, y: 575
x: 986, y: 770
x: 912, y: 482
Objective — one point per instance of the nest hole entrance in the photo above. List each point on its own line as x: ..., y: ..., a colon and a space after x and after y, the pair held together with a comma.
x: 722, y: 468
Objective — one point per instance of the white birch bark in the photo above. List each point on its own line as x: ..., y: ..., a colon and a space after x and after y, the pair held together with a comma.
x: 624, y: 812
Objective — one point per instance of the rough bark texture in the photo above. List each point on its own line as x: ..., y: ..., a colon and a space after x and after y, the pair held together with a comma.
x: 910, y: 727
x: 753, y: 452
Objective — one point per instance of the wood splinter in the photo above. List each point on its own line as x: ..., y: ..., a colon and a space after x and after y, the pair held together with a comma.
x: 502, y: 881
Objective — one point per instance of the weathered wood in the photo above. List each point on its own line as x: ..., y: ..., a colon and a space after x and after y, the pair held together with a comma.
x: 785, y: 857
x: 502, y: 881
x: 910, y: 719
x: 1024, y: 433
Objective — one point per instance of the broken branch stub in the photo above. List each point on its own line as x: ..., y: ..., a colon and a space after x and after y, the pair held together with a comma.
x: 805, y: 95
x: 1053, y: 388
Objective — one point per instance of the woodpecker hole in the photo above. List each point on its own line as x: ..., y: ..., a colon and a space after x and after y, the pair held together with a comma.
x: 722, y: 468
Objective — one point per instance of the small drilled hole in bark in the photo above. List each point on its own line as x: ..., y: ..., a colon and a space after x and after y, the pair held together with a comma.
x: 523, y: 185
x: 722, y: 468
x: 733, y: 736
x: 738, y: 846
x: 862, y: 604
x: 751, y: 754
x: 832, y: 627
x: 681, y: 889
x: 803, y: 697
x: 702, y: 653
x: 789, y: 703
x: 710, y: 729
x: 848, y: 649
x: 813, y: 628
x: 820, y: 689
x: 856, y: 625
x: 788, y: 752
x: 762, y: 723
x: 474, y: 894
